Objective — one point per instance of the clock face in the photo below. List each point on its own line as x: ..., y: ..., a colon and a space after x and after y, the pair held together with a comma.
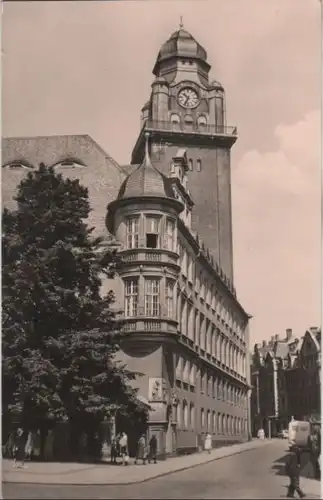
x: 188, y: 98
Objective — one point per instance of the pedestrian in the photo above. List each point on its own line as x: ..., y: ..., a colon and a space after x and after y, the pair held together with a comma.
x: 293, y: 466
x: 123, y: 443
x: 19, y: 448
x: 29, y: 446
x: 152, y: 449
x: 114, y: 450
x: 141, y: 450
x: 208, y: 443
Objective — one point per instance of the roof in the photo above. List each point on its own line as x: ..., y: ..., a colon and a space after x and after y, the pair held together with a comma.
x: 146, y: 180
x: 181, y: 44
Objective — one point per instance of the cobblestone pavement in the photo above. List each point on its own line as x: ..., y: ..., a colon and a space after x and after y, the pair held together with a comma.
x: 258, y: 473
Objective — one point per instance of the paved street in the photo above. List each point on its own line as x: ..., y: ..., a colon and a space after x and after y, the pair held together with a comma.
x: 253, y: 474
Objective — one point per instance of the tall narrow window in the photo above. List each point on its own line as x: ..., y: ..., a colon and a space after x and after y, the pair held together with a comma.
x: 152, y: 298
x: 132, y: 225
x: 190, y: 164
x: 131, y: 296
x: 198, y: 165
x: 170, y: 298
x: 170, y: 234
x: 152, y: 231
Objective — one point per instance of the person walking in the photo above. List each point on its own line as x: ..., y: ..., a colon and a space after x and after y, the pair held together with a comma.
x: 152, y: 449
x: 114, y: 450
x: 293, y: 466
x: 141, y: 450
x: 19, y: 448
x: 208, y: 443
x: 123, y: 443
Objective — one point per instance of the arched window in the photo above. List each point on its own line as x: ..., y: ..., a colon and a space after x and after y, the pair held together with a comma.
x: 175, y: 120
x: 179, y: 415
x: 185, y: 414
x: 198, y: 165
x: 190, y: 164
x: 202, y: 122
x: 223, y: 424
x: 202, y: 418
x: 209, y: 429
x: 214, y: 423
x: 192, y: 416
x: 188, y: 121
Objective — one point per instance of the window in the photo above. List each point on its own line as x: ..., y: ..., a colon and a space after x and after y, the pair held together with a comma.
x: 152, y: 232
x: 152, y: 299
x: 132, y: 225
x: 201, y: 121
x: 179, y: 415
x: 170, y: 234
x: 199, y: 165
x: 193, y: 375
x: 202, y: 418
x: 185, y: 414
x: 190, y: 164
x: 192, y: 416
x: 175, y: 120
x: 170, y: 298
x: 209, y: 423
x: 131, y: 296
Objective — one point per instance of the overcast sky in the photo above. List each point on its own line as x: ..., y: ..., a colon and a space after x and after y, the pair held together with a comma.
x: 85, y: 67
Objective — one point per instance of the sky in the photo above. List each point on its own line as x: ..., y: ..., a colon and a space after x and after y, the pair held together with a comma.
x: 86, y: 68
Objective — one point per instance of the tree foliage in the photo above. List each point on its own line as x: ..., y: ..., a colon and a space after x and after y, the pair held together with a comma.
x: 59, y: 335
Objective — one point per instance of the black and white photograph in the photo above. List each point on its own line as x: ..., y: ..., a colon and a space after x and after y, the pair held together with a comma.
x: 161, y: 249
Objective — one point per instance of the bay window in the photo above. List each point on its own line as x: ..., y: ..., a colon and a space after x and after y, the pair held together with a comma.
x: 152, y: 231
x: 132, y: 229
x: 131, y: 296
x: 152, y: 297
x: 170, y: 298
x: 170, y: 234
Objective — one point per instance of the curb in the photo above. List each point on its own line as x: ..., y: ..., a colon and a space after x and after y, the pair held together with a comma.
x: 138, y: 481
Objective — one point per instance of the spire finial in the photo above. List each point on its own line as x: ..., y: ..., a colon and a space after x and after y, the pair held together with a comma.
x: 181, y: 25
x: 147, y: 159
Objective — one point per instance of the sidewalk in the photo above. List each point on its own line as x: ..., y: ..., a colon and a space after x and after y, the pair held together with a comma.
x: 105, y: 474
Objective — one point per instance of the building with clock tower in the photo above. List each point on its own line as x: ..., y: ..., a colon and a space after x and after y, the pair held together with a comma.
x: 187, y: 110
x: 168, y: 214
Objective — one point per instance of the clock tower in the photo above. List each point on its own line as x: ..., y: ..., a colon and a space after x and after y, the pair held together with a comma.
x: 187, y: 110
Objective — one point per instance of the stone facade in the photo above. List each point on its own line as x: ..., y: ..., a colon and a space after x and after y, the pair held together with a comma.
x: 185, y: 330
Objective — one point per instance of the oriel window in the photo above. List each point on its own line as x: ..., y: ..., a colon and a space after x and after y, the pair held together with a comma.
x: 170, y: 298
x: 152, y: 231
x: 131, y: 296
x: 132, y: 225
x: 152, y: 297
x: 170, y: 234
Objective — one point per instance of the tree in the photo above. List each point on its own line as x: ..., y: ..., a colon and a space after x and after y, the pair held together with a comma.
x: 60, y: 336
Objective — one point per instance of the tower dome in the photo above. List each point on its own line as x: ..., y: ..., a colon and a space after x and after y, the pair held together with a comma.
x: 181, y: 44
x: 146, y: 180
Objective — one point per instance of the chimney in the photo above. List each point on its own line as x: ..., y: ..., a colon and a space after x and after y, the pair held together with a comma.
x: 289, y: 333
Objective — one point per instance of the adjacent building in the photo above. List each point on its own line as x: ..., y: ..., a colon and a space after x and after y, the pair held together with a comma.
x: 169, y: 216
x: 285, y: 376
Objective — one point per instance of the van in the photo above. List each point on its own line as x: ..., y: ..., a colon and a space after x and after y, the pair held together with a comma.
x: 298, y: 433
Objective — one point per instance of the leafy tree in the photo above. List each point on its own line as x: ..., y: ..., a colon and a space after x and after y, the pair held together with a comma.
x: 60, y: 336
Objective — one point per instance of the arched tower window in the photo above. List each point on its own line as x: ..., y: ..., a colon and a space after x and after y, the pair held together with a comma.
x: 188, y: 121
x: 190, y: 164
x: 202, y: 122
x: 175, y: 121
x: 198, y: 165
